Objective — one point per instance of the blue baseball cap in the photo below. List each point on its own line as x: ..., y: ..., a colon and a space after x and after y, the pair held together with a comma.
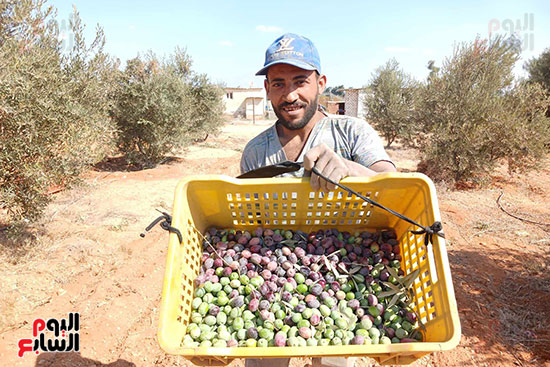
x: 294, y: 50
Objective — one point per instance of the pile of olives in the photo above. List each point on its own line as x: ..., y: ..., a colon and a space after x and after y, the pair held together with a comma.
x: 291, y: 288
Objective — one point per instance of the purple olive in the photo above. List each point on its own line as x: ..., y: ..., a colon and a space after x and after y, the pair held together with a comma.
x: 300, y: 252
x: 300, y: 307
x: 264, y: 289
x: 305, y: 332
x: 373, y: 301
x: 271, y: 297
x: 305, y: 271
x: 314, y: 303
x: 208, y: 263
x: 280, y: 339
x: 266, y: 274
x: 253, y: 304
x: 237, y: 301
x: 315, y: 319
x: 213, y: 310
x: 286, y: 296
x: 252, y: 333
x: 390, y: 332
x: 353, y: 304
x: 293, y: 258
x: 316, y: 289
x: 256, y: 259
x: 411, y: 317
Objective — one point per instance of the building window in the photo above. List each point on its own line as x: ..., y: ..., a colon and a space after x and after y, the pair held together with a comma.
x: 229, y: 95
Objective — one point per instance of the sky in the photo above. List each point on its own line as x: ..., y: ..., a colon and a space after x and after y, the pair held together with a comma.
x: 227, y: 39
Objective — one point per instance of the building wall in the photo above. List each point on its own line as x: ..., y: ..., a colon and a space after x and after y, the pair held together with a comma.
x: 361, y: 106
x: 351, y: 99
x: 255, y: 106
x: 235, y: 100
x: 354, y: 103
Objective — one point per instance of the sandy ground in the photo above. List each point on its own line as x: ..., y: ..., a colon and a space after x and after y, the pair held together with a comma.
x: 88, y: 257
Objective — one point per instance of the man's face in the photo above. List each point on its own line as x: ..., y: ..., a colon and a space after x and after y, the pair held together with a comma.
x: 294, y: 94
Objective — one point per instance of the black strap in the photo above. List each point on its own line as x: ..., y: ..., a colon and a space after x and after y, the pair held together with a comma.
x: 435, y: 228
x: 272, y: 170
x: 166, y: 225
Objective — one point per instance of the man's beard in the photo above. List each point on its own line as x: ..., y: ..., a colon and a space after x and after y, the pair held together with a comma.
x: 308, y: 114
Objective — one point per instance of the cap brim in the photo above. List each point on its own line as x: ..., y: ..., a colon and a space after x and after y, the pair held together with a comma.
x: 297, y: 63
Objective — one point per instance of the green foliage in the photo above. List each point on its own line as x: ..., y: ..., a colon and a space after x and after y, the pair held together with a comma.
x: 390, y: 102
x: 163, y: 106
x: 53, y: 106
x: 539, y: 69
x: 474, y: 115
x: 336, y: 91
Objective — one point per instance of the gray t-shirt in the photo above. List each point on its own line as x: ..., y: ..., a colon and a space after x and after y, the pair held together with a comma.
x: 352, y: 138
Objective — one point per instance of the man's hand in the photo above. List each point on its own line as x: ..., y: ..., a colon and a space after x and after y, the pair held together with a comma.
x: 328, y: 163
x: 333, y: 166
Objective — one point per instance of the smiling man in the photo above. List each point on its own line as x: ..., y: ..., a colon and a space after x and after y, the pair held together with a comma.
x: 338, y: 146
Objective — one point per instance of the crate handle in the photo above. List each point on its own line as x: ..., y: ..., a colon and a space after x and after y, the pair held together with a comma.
x: 166, y: 225
x: 289, y: 166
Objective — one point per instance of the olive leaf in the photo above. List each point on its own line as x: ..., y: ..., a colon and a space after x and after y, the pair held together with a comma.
x: 299, y: 233
x: 403, y: 287
x: 394, y: 299
x: 355, y: 269
x: 332, y: 269
x: 409, y: 279
x: 289, y: 242
x: 392, y: 286
x: 392, y: 272
x: 349, y: 320
x: 389, y: 293
x: 359, y: 278
x: 354, y: 282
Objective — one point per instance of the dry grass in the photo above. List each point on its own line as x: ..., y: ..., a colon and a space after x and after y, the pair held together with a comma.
x: 524, y: 314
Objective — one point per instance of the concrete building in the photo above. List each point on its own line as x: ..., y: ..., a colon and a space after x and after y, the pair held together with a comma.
x: 247, y: 103
x: 354, y: 102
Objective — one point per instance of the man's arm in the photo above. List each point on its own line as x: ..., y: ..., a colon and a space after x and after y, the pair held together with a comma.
x: 333, y: 166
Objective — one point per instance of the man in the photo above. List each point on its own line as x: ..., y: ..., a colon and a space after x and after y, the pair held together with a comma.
x: 338, y: 146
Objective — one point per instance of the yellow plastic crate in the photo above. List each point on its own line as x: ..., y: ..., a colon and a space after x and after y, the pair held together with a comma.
x: 289, y: 203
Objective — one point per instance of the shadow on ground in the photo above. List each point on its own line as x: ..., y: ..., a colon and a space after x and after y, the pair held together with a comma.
x: 121, y: 164
x: 503, y: 301
x: 75, y: 359
x: 16, y: 241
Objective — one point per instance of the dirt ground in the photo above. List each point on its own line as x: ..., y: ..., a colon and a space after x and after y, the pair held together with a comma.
x: 88, y: 257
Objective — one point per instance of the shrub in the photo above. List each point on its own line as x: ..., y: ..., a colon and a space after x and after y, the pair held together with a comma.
x: 539, y: 69
x: 163, y: 106
x: 53, y: 107
x: 390, y: 102
x: 475, y: 115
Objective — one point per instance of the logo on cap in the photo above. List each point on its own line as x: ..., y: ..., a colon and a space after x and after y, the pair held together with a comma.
x: 284, y: 44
